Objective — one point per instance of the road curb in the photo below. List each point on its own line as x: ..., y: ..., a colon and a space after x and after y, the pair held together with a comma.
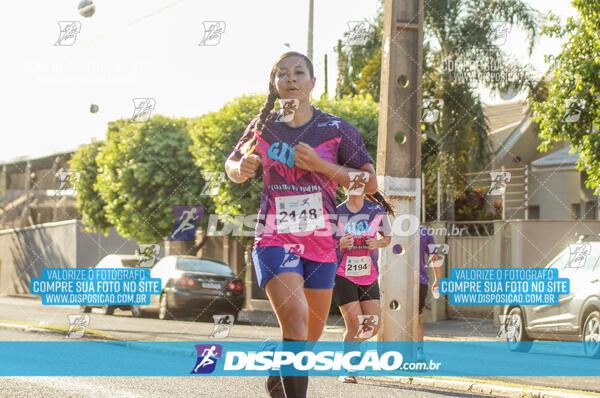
x: 152, y: 346
x: 163, y: 348
x: 26, y: 328
x: 486, y: 387
x: 96, y: 334
x: 58, y: 330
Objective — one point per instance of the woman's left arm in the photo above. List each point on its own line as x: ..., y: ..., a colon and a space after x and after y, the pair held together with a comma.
x: 308, y: 159
x: 373, y: 244
x: 386, y: 235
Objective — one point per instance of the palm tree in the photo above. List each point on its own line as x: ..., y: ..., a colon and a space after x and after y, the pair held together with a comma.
x: 463, y: 50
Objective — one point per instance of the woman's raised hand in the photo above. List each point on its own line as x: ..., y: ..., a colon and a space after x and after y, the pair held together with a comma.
x: 307, y: 158
x: 347, y: 241
x: 247, y: 166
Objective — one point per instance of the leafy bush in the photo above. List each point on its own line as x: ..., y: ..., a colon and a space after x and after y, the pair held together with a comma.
x: 144, y: 170
x: 89, y: 203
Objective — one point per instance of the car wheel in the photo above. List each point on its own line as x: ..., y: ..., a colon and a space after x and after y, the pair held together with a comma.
x: 202, y: 317
x: 136, y: 311
x: 235, y: 316
x: 209, y: 317
x: 85, y: 309
x: 108, y: 309
x: 516, y: 336
x: 164, y: 312
x: 591, y: 335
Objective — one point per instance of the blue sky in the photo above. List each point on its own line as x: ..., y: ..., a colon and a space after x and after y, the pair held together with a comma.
x: 150, y: 48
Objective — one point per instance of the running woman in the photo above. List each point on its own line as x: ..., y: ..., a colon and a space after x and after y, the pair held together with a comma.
x: 356, y: 290
x: 305, y: 153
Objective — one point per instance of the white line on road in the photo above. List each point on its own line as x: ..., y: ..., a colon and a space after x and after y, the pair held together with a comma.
x: 74, y: 386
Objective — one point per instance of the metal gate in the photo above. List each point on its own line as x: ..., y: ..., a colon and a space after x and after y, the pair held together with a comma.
x: 470, y: 245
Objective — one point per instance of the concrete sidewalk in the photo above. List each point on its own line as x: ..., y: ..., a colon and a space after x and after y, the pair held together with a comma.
x: 465, y: 330
x: 268, y: 318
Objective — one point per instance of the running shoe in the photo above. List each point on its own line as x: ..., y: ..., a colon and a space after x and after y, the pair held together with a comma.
x: 347, y: 379
x: 273, y: 383
x: 269, y: 345
x: 274, y: 387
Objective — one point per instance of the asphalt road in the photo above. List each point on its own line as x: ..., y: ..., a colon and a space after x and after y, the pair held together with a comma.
x: 169, y: 387
x: 123, y: 326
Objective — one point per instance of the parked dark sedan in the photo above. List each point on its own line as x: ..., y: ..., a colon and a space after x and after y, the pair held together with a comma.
x: 193, y: 285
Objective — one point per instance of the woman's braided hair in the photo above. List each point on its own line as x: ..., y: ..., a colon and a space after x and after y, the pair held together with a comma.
x: 379, y: 198
x: 265, y: 112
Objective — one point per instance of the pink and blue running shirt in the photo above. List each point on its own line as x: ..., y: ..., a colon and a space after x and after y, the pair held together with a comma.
x: 297, y: 207
x: 358, y: 264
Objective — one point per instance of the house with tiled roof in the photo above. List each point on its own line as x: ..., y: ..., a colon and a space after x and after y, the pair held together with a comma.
x: 544, y: 185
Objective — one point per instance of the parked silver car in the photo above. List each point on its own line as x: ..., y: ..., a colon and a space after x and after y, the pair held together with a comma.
x: 576, y: 317
x: 116, y: 261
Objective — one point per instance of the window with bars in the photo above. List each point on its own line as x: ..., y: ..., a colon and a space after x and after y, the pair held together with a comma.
x: 576, y: 211
x: 533, y: 212
x: 591, y: 210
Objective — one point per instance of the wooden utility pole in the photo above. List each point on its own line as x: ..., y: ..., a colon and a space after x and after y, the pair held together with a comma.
x: 399, y: 164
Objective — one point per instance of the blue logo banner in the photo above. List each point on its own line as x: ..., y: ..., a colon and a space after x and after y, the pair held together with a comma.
x: 325, y: 358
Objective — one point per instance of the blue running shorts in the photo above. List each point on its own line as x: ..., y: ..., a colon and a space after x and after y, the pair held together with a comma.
x: 274, y: 260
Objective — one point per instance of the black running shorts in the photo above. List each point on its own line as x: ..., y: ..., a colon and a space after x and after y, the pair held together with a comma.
x: 345, y: 292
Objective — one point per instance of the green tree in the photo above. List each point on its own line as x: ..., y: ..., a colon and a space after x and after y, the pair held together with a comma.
x: 144, y: 170
x: 361, y: 111
x: 462, y: 50
x: 89, y: 203
x: 571, y: 111
x: 214, y: 135
x: 359, y: 66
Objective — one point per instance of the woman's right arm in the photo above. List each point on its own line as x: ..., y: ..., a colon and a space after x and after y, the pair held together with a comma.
x: 240, y: 167
x: 232, y: 168
x: 241, y: 170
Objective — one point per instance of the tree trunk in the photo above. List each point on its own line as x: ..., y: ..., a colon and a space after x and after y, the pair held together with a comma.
x: 179, y: 247
x: 184, y: 247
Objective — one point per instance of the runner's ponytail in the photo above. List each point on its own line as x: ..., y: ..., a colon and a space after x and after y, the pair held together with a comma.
x: 249, y: 146
x: 381, y: 200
